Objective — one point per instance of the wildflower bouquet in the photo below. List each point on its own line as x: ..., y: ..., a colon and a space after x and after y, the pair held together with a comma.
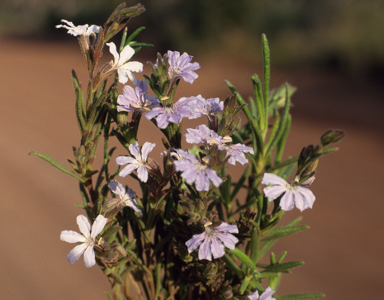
x: 192, y: 232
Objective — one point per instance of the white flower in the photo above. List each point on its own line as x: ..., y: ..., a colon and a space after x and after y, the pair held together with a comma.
x: 84, y: 30
x: 267, y: 295
x: 124, y: 68
x: 126, y: 198
x: 87, y: 239
x: 297, y: 195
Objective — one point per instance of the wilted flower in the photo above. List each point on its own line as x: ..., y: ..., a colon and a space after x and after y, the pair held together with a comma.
x: 213, y: 240
x: 180, y: 66
x: 87, y: 239
x: 84, y: 30
x: 126, y: 198
x: 195, y: 172
x: 174, y: 113
x: 297, y: 195
x: 124, y: 68
x: 140, y: 163
x: 266, y: 295
x: 136, y: 99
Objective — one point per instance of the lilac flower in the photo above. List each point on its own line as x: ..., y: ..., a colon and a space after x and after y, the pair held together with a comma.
x: 140, y: 163
x: 84, y: 30
x: 297, y: 195
x: 208, y: 107
x: 195, y: 172
x: 124, y: 68
x: 136, y: 99
x: 199, y: 135
x: 213, y: 240
x: 126, y: 198
x: 236, y: 153
x: 87, y: 239
x: 181, y: 109
x: 266, y: 295
x: 180, y: 66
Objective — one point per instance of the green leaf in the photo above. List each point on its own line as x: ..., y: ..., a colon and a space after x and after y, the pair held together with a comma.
x: 56, y: 164
x: 267, y: 70
x: 244, y: 259
x: 300, y: 296
x: 284, y: 267
x: 279, y: 232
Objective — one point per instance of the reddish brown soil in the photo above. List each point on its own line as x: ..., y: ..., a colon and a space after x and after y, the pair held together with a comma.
x: 342, y: 250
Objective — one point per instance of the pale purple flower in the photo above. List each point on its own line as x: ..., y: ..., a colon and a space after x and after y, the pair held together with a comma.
x: 293, y: 195
x: 236, y: 153
x: 213, y: 240
x: 139, y: 162
x: 195, y: 172
x: 180, y: 66
x: 266, y: 295
x: 199, y: 135
x: 208, y: 107
x: 124, y: 68
x: 126, y: 198
x: 136, y: 99
x: 84, y: 30
x: 87, y: 239
x: 174, y: 113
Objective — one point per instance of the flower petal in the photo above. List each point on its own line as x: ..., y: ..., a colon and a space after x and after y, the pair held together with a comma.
x: 147, y: 147
x: 112, y: 49
x: 142, y: 173
x: 126, y: 54
x: 123, y: 160
x: 195, y: 241
x: 217, y: 248
x: 228, y: 239
x: 205, y: 250
x: 89, y: 257
x: 70, y: 236
x: 76, y: 252
x: 270, y: 178
x: 135, y: 150
x: 287, y: 202
x: 98, y: 226
x: 274, y: 191
x: 225, y: 227
x: 128, y: 170
x: 84, y: 225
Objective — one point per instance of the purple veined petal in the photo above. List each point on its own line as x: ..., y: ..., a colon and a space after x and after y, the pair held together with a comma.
x: 184, y: 59
x: 205, y: 250
x: 267, y: 295
x: 308, y: 182
x: 192, y: 66
x: 274, y: 191
x: 142, y: 173
x: 84, y: 225
x: 190, y: 175
x: 189, y: 76
x: 112, y: 49
x: 126, y: 54
x: 135, y: 150
x: 228, y: 239
x: 162, y: 120
x: 147, y: 147
x: 174, y: 118
x: 225, y: 227
x: 116, y: 187
x: 184, y: 111
x: 216, y: 180
x: 124, y: 108
x: 254, y: 296
x: 128, y: 170
x: 154, y: 112
x: 195, y: 241
x: 131, y: 194
x: 141, y: 87
x: 133, y: 204
x: 76, y: 252
x: 217, y: 248
x: 70, y: 236
x: 173, y: 56
x: 124, y: 160
x: 98, y: 226
x: 201, y: 182
x: 287, y: 202
x: 270, y: 178
x: 309, y: 197
x: 89, y: 257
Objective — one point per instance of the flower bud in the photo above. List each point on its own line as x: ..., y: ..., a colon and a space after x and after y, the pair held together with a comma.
x: 122, y: 118
x: 332, y: 136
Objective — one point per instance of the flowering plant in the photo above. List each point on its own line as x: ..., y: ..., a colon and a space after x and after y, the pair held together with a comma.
x: 192, y: 232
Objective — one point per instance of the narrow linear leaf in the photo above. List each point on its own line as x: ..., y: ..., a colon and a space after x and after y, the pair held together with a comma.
x: 284, y: 267
x: 56, y: 164
x: 244, y: 259
x: 300, y: 296
x: 278, y: 232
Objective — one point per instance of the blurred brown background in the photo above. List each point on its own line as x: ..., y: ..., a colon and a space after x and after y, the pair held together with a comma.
x: 333, y: 51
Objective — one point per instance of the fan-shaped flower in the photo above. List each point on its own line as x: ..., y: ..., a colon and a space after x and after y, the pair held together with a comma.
x: 213, y: 240
x: 84, y: 30
x: 136, y: 99
x: 126, y: 198
x: 180, y: 66
x: 266, y: 295
x: 124, y: 68
x: 139, y: 162
x: 293, y: 195
x: 87, y: 239
x: 195, y: 172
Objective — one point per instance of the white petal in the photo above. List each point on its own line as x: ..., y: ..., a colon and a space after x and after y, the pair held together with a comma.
x: 287, y: 201
x: 76, y: 253
x: 274, y: 191
x: 98, y: 225
x: 112, y: 49
x: 126, y: 54
x: 270, y: 178
x: 84, y: 225
x: 89, y: 257
x: 70, y: 236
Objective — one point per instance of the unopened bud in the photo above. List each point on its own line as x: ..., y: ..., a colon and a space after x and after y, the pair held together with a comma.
x: 122, y: 118
x: 331, y: 137
x: 305, y: 154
